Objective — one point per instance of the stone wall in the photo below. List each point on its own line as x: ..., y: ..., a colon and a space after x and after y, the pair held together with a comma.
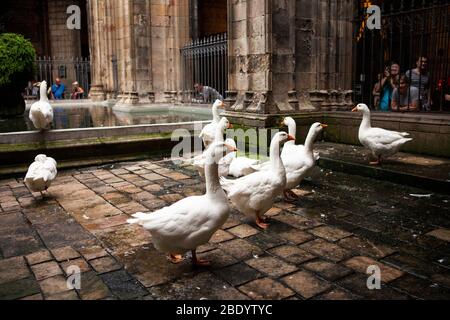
x: 65, y: 43
x: 289, y: 56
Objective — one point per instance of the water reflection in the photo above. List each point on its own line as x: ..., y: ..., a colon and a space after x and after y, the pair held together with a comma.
x: 66, y: 117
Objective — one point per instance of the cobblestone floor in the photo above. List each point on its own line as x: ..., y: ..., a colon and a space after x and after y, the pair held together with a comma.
x: 318, y: 248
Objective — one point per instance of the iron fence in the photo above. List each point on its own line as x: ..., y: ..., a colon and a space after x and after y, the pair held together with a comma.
x: 69, y: 70
x: 205, y: 61
x: 409, y: 29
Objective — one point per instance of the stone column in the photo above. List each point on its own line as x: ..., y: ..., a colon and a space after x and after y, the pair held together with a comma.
x: 289, y: 56
x: 323, y: 53
x: 95, y: 24
x: 262, y: 57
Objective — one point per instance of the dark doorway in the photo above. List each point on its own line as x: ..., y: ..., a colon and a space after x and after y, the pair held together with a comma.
x: 208, y: 17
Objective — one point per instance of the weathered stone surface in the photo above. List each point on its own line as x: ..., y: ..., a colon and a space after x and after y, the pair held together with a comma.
x: 238, y: 274
x: 240, y: 249
x: 292, y: 254
x: 327, y: 270
x: 39, y: 257
x: 80, y: 263
x: 329, y: 233
x: 271, y: 266
x: 203, y: 285
x: 54, y: 285
x: 266, y: 289
x: 443, y: 234
x: 13, y: 269
x: 46, y: 270
x: 65, y: 253
x: 360, y: 264
x: 326, y: 250
x: 306, y: 284
x: 93, y: 288
x: 221, y: 236
x: 243, y: 231
x: 366, y: 247
x: 18, y: 289
x: 105, y: 264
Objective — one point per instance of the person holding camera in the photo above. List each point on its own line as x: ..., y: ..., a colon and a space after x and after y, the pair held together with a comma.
x: 388, y: 84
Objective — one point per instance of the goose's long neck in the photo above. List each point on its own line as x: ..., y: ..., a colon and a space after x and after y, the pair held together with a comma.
x: 212, y: 177
x: 275, y: 159
x: 310, y: 139
x: 219, y: 135
x: 292, y: 126
x: 43, y: 93
x: 216, y: 116
x: 365, y: 124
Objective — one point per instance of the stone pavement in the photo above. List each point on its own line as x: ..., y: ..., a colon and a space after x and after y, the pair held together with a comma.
x: 411, y: 164
x: 318, y: 248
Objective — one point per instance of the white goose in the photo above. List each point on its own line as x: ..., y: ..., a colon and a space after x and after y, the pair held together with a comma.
x: 238, y: 166
x: 382, y: 143
x: 209, y: 131
x: 41, y: 173
x: 200, y: 160
x: 41, y: 112
x: 299, y: 160
x: 192, y: 221
x: 255, y: 194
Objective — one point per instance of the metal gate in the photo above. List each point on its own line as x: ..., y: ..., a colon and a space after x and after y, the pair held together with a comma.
x: 205, y: 61
x: 75, y: 69
x: 409, y: 29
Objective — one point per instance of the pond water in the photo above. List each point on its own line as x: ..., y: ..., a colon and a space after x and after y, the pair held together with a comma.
x: 94, y: 116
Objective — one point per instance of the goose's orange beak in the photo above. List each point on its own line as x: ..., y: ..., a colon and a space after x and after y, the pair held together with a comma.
x: 282, y: 123
x: 230, y: 126
x: 323, y: 125
x: 221, y: 104
x: 291, y: 138
x: 230, y: 148
x: 355, y: 109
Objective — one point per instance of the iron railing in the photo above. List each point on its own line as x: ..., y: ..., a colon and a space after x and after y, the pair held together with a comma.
x: 205, y: 61
x: 69, y: 70
x: 409, y: 29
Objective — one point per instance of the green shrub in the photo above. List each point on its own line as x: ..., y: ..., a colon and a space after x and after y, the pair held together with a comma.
x: 17, y: 61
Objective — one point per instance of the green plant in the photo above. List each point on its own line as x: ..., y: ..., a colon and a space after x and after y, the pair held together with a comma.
x: 17, y: 60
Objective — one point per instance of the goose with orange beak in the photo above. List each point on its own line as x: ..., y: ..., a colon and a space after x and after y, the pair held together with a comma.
x: 208, y: 133
x: 190, y: 222
x: 255, y: 194
x: 298, y: 160
x: 382, y: 143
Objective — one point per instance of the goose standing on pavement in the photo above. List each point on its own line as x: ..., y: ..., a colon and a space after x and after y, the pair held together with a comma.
x: 255, y: 194
x: 383, y: 143
x: 190, y: 222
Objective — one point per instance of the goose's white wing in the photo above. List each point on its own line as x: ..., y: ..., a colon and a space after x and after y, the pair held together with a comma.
x: 382, y: 136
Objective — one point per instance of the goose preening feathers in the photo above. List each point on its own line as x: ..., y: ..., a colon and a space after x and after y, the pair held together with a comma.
x: 41, y: 173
